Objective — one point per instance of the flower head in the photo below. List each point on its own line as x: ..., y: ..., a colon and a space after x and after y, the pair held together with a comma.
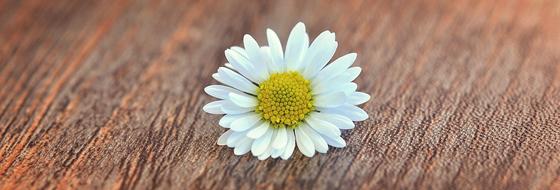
x: 274, y: 101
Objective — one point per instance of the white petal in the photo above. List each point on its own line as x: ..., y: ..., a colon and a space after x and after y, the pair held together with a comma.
x: 320, y: 60
x: 322, y: 86
x: 267, y: 60
x: 281, y: 138
x: 323, y: 127
x: 252, y: 48
x: 265, y: 154
x: 224, y: 137
x: 242, y: 64
x: 259, y: 131
x: 334, y: 85
x: 339, y: 121
x: 297, y: 45
x: 240, y: 51
x: 276, y: 53
x: 243, y: 146
x: 290, y: 146
x: 226, y: 121
x: 348, y: 88
x: 255, y: 56
x: 304, y: 143
x: 234, y: 138
x: 353, y: 112
x: 272, y: 66
x: 330, y: 100
x: 235, y: 80
x: 335, y: 141
x: 261, y: 144
x: 351, y: 74
x: 357, y: 98
x: 221, y: 91
x: 229, y: 66
x: 336, y: 68
x: 323, y: 39
x: 319, y: 53
x: 318, y: 141
x: 348, y: 75
x: 231, y: 108
x: 214, y: 107
x: 246, y: 122
x: 243, y: 100
x: 276, y: 152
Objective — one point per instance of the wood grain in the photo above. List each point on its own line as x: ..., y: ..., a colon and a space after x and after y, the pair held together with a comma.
x: 99, y: 94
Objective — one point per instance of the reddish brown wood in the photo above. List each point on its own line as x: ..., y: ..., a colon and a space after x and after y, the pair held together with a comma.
x: 108, y: 94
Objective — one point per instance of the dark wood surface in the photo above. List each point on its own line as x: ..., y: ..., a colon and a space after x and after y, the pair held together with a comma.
x: 108, y: 94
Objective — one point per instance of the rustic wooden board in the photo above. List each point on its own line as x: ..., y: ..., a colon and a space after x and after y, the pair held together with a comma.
x: 108, y: 94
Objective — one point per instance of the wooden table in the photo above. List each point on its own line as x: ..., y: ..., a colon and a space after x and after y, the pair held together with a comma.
x: 108, y: 94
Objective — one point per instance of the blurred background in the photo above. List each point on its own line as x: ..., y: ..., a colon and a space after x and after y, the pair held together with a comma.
x: 99, y: 94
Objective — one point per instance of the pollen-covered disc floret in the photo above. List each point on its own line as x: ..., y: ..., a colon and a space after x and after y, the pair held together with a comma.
x: 284, y: 99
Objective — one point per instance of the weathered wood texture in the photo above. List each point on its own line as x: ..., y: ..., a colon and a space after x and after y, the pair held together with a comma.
x: 108, y: 94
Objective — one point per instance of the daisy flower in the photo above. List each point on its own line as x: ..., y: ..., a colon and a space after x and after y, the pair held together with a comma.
x: 274, y: 101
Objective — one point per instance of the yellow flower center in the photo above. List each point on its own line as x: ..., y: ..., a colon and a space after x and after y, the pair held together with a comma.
x: 284, y: 99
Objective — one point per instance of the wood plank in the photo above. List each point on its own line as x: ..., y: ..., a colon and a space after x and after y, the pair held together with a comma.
x: 108, y: 94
